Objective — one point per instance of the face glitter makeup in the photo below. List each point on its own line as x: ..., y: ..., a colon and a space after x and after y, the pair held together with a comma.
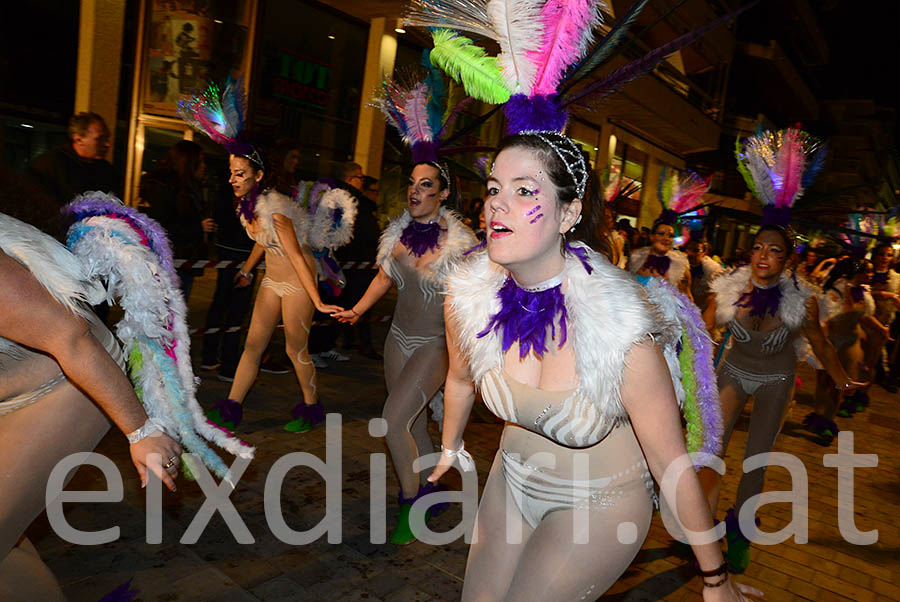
x: 535, y: 210
x: 536, y: 218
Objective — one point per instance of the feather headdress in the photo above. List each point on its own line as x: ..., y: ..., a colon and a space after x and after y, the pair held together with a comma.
x: 546, y: 48
x: 220, y: 115
x: 778, y: 167
x: 131, y: 253
x: 680, y: 194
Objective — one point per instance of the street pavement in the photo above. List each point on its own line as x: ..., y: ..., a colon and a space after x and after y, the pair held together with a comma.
x: 218, y: 568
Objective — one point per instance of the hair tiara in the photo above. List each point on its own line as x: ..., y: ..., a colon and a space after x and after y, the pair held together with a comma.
x: 568, y: 152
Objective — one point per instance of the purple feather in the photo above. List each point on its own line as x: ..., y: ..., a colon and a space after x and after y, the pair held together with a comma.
x: 123, y: 593
x: 229, y: 410
x: 85, y: 206
x: 761, y: 301
x: 480, y: 245
x: 424, y: 151
x: 776, y: 216
x: 247, y: 205
x: 420, y: 238
x: 525, y: 316
x: 541, y: 112
x: 582, y: 256
x: 614, y: 81
x: 657, y: 264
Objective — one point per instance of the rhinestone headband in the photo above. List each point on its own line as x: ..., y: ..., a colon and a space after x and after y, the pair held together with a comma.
x: 444, y: 173
x: 568, y: 152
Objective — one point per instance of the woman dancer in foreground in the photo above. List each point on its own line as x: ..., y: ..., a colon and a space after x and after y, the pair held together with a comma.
x: 587, y: 408
x: 415, y: 253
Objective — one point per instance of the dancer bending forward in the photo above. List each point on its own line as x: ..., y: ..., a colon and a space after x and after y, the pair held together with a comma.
x: 288, y: 291
x: 415, y: 253
x: 561, y: 344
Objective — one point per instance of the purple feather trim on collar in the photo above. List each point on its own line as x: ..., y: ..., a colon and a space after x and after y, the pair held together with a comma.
x: 582, y: 256
x: 525, y: 316
x: 761, y: 301
x: 247, y: 205
x: 658, y: 264
x: 420, y: 238
x: 857, y: 293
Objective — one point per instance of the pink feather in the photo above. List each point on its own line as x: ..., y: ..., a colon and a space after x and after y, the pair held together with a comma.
x: 568, y: 29
x: 415, y: 111
x: 790, y: 163
x: 688, y: 192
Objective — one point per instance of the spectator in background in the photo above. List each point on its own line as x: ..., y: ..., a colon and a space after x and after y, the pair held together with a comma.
x: 643, y: 238
x: 361, y: 248
x: 77, y: 166
x: 370, y: 188
x: 173, y: 189
x: 229, y: 304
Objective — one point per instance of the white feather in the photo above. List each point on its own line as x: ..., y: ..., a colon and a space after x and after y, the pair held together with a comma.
x: 269, y: 203
x: 321, y: 232
x: 518, y: 29
x: 792, y: 312
x: 677, y: 268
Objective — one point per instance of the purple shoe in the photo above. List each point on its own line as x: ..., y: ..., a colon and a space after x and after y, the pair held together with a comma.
x: 226, y: 413
x: 305, y: 417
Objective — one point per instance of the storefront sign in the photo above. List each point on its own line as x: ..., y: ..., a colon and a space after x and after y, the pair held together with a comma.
x: 301, y: 79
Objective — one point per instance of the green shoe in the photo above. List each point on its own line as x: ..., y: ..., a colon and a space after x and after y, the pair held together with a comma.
x: 226, y: 413
x: 738, y: 554
x: 300, y: 425
x: 403, y: 534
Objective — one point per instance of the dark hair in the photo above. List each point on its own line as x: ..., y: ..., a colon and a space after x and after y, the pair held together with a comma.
x: 845, y: 268
x: 24, y: 199
x: 883, y: 245
x: 659, y: 223
x: 453, y: 197
x: 781, y: 231
x: 592, y: 229
x: 80, y: 122
x: 349, y: 169
x: 276, y: 177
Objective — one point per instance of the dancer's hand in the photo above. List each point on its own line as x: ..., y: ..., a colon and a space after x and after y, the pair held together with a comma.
x: 348, y: 316
x: 443, y: 465
x: 328, y: 309
x: 208, y: 224
x: 241, y: 280
x: 852, y: 385
x: 155, y: 452
x: 730, y: 592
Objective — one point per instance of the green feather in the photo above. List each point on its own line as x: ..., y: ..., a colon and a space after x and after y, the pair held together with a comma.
x: 470, y: 65
x: 690, y: 409
x: 135, y: 365
x: 742, y: 169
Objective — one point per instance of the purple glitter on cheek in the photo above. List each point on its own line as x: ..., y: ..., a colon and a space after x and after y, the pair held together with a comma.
x: 535, y: 210
x: 536, y: 218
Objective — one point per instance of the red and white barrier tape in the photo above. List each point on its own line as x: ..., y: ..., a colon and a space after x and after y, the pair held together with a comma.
x: 216, y: 329
x: 221, y: 265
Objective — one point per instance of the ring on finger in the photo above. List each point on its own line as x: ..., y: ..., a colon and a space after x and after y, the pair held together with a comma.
x: 170, y: 463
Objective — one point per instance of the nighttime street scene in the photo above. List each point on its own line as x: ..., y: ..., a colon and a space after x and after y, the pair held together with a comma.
x: 449, y: 300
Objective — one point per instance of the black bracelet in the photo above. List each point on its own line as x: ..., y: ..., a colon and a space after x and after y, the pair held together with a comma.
x: 719, y: 583
x: 721, y: 570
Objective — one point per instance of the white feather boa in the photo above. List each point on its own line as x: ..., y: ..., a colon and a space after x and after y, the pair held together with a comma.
x: 795, y: 292
x: 269, y: 203
x: 459, y: 239
x: 322, y: 232
x: 52, y: 265
x: 831, y: 302
x: 677, y: 268
x: 153, y: 327
x: 885, y: 309
x: 608, y: 312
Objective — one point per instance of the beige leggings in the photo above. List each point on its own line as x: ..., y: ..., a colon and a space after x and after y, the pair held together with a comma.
x: 32, y: 440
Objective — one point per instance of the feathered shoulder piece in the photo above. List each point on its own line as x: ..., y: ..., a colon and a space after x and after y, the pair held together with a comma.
x: 730, y: 286
x: 330, y: 213
x: 608, y: 310
x: 680, y: 194
x: 676, y: 264
x: 220, y: 115
x: 547, y: 47
x: 131, y: 253
x: 458, y: 240
x: 262, y: 230
x: 778, y: 167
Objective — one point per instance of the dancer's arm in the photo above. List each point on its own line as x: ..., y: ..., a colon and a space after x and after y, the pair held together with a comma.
x: 284, y: 229
x: 685, y: 285
x: 824, y: 350
x: 709, y: 314
x: 378, y: 288
x: 649, y: 399
x: 873, y: 324
x: 242, y: 278
x: 32, y: 317
x: 459, y: 395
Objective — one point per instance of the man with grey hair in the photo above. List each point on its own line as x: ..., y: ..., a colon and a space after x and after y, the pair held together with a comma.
x: 80, y: 164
